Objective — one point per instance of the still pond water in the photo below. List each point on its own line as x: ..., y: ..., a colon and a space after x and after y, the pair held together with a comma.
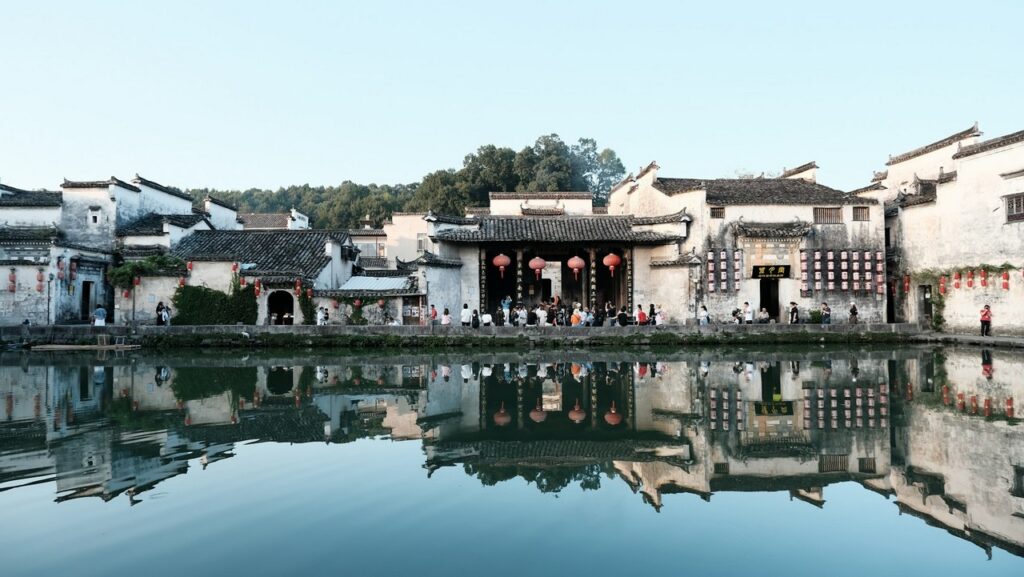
x: 798, y: 461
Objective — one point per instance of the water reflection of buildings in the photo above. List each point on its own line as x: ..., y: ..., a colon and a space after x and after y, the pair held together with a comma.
x: 910, y: 425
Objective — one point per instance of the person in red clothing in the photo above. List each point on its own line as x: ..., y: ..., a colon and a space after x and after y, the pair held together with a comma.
x: 986, y: 321
x: 641, y: 316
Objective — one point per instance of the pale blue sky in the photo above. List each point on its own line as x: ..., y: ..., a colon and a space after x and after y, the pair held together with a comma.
x: 259, y: 94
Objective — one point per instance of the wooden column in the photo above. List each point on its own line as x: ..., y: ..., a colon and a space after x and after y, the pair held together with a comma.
x: 592, y: 276
x: 519, y: 275
x: 629, y: 281
x: 483, y: 280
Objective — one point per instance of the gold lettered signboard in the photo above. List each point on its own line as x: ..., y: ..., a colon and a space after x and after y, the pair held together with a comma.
x: 770, y: 271
x: 773, y: 408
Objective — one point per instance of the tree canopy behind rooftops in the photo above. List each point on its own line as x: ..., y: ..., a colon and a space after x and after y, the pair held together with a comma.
x: 549, y: 165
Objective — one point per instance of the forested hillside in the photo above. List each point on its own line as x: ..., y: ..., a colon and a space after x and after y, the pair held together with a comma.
x: 548, y: 165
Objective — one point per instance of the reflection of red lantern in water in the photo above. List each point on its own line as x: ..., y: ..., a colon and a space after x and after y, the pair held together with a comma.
x: 381, y: 303
x: 577, y: 414
x: 537, y: 264
x: 309, y: 293
x: 576, y: 264
x: 256, y: 286
x: 501, y: 261
x: 945, y: 394
x: 502, y: 418
x: 988, y: 407
x: 181, y: 281
x: 357, y: 303
x: 612, y: 417
x: 538, y: 415
x: 960, y: 405
x: 611, y: 261
x: 298, y: 287
x: 241, y: 282
x: 1009, y: 407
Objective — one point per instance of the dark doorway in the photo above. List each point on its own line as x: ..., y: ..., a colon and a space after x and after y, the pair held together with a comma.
x: 280, y: 308
x: 86, y: 306
x: 280, y: 380
x: 890, y: 302
x: 925, y: 291
x: 770, y: 297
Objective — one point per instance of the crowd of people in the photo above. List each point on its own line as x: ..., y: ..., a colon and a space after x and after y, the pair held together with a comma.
x: 551, y: 313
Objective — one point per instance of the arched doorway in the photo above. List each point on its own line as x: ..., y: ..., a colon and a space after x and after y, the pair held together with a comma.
x: 280, y: 308
x: 280, y: 380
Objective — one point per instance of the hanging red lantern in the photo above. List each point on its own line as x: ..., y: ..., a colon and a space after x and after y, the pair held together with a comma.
x: 502, y: 418
x: 189, y: 265
x: 256, y: 286
x: 611, y: 261
x: 906, y: 283
x: 181, y: 282
x: 39, y: 287
x: 984, y: 277
x: 127, y: 293
x: 538, y: 414
x: 298, y: 287
x: 39, y: 276
x: 537, y: 264
x: 1009, y: 407
x: 970, y: 279
x: 309, y: 293
x: 956, y: 279
x: 336, y: 303
x: 576, y: 264
x: 1006, y: 280
x: 357, y: 303
x: 234, y: 267
x: 137, y: 281
x: 942, y: 285
x: 501, y: 261
x: 241, y: 281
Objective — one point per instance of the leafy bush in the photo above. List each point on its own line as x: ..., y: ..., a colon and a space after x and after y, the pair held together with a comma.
x: 124, y: 275
x: 194, y: 305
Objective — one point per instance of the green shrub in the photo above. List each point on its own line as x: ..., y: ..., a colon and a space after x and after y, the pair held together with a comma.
x: 195, y: 305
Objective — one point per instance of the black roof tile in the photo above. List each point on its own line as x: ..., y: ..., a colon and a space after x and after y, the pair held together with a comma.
x: 758, y: 191
x: 555, y: 229
x: 15, y: 197
x: 541, y: 195
x: 113, y: 181
x: 772, y: 229
x: 277, y: 252
x: 990, y: 144
x: 157, y: 186
x: 951, y: 139
x: 153, y: 223
x: 799, y: 169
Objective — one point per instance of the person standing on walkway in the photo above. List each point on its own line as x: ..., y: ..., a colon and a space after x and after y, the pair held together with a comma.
x: 702, y: 316
x: 446, y: 319
x: 466, y: 317
x: 826, y: 314
x: 99, y: 317
x: 794, y: 313
x: 641, y: 316
x: 986, y: 321
x: 853, y: 313
x: 623, y: 317
x: 506, y: 305
x: 433, y: 315
x: 652, y: 315
x: 160, y: 314
x: 748, y: 313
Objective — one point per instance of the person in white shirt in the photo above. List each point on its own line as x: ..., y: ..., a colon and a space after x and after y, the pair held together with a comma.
x: 542, y: 317
x: 486, y: 319
x: 748, y: 314
x: 466, y: 317
x: 523, y: 316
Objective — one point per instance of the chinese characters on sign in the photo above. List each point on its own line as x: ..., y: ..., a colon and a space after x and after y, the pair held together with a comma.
x: 770, y: 271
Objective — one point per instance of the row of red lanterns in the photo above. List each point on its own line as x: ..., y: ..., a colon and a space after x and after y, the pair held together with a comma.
x: 576, y: 414
x: 983, y: 278
x: 575, y: 263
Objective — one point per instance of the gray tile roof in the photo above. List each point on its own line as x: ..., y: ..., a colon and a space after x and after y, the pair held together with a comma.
x: 142, y: 251
x: 113, y: 181
x: 429, y: 259
x: 555, y: 230
x: 680, y: 216
x: 758, y: 191
x: 541, y: 195
x: 222, y: 203
x: 263, y: 220
x: 373, y: 261
x: 157, y: 186
x: 542, y: 211
x: 951, y: 139
x: 799, y: 169
x: 152, y: 224
x: 478, y: 210
x: 772, y: 229
x: 879, y: 176
x: 368, y: 286
x: 272, y: 252
x: 15, y: 197
x: 29, y: 233
x: 366, y: 232
x: 877, y: 185
x: 990, y: 144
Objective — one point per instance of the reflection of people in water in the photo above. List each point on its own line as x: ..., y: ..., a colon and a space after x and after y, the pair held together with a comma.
x: 986, y: 364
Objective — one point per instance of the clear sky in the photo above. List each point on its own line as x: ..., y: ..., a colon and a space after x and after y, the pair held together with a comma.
x: 261, y: 94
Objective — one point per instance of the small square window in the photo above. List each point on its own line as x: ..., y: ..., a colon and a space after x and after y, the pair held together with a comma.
x: 717, y: 212
x: 95, y: 219
x: 1015, y: 207
x: 828, y: 215
x: 860, y: 213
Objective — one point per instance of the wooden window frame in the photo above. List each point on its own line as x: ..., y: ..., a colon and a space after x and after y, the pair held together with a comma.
x: 717, y: 212
x: 1014, y: 207
x: 861, y: 211
x: 828, y: 215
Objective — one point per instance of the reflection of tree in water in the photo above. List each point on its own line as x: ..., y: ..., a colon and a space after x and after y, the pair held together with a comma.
x: 547, y: 479
x: 201, y: 382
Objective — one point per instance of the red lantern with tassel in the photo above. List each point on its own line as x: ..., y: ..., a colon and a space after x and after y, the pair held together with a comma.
x: 242, y: 282
x: 127, y: 293
x: 234, y: 267
x: 970, y: 279
x: 1009, y: 407
x: 501, y: 261
x: 906, y: 283
x: 956, y: 279
x: 39, y: 287
x: 984, y: 278
x: 537, y: 264
x: 309, y: 293
x: 12, y: 278
x: 381, y: 303
x: 942, y: 285
x: 613, y: 417
x: 357, y: 303
x: 137, y: 281
x: 611, y: 261
x: 188, y: 265
x: 336, y: 303
x: 39, y: 275
x: 298, y: 287
x: 576, y: 264
x: 1006, y: 280
x: 256, y: 286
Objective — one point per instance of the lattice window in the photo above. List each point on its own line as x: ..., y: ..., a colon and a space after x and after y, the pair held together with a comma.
x: 717, y: 212
x: 833, y: 463
x: 1015, y: 207
x: 861, y: 213
x: 828, y: 215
